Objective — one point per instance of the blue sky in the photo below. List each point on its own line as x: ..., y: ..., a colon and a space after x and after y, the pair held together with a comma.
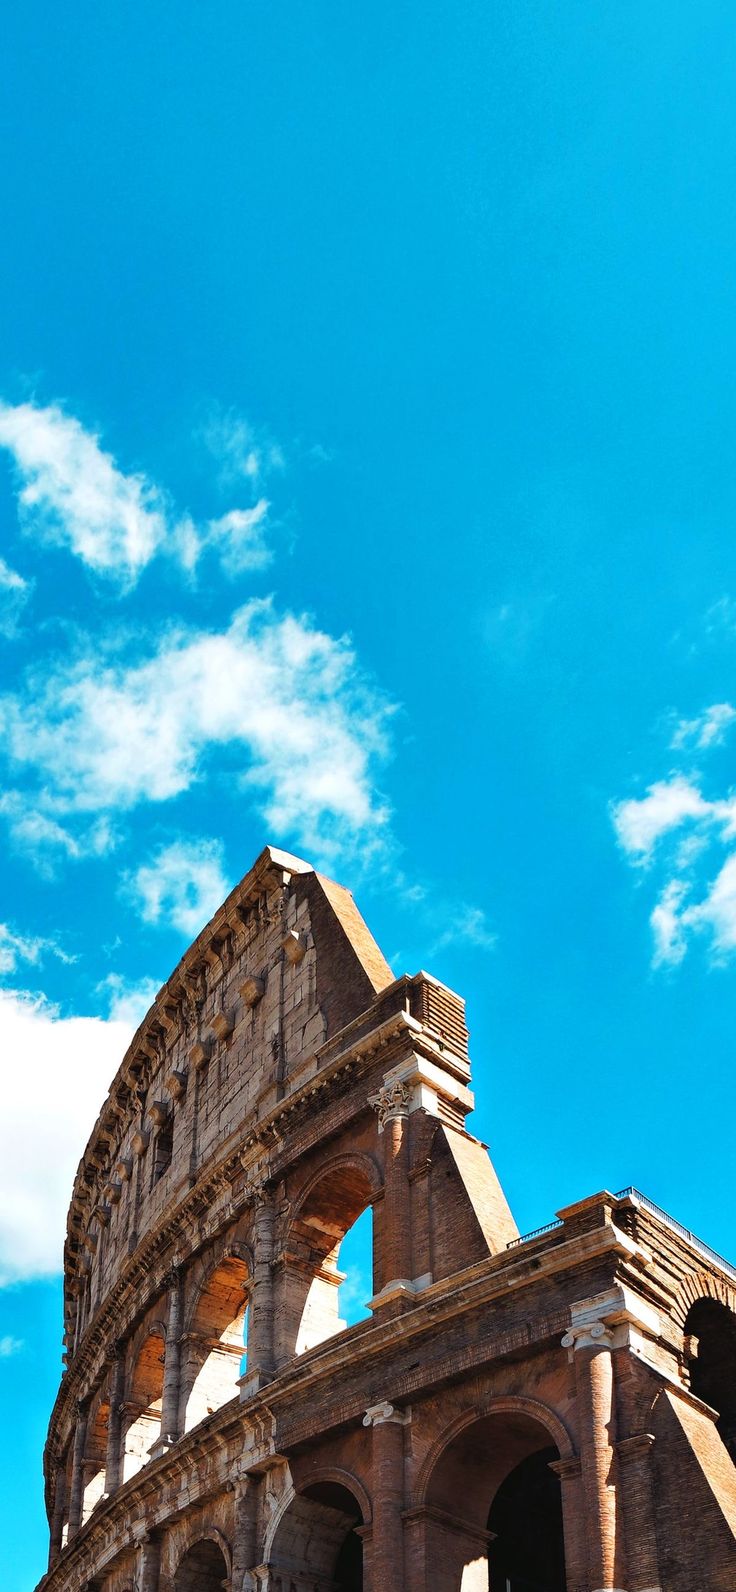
x: 366, y: 486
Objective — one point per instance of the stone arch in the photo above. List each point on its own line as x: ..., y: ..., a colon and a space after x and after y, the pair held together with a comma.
x: 502, y: 1404
x: 205, y: 1565
x: 229, y: 1242
x: 197, y: 1531
x: 701, y: 1285
x: 315, y: 1535
x: 215, y: 1341
x: 95, y: 1452
x: 144, y: 1399
x: 489, y: 1504
x: 341, y: 1477
x: 328, y: 1205
x: 710, y: 1360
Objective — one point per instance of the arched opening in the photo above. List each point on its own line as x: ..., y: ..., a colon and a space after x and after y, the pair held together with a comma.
x: 203, y: 1569
x: 95, y: 1456
x: 318, y: 1537
x: 315, y: 1284
x: 143, y: 1406
x: 710, y: 1329
x: 494, y: 1516
x: 521, y: 1559
x: 355, y: 1263
x: 216, y: 1343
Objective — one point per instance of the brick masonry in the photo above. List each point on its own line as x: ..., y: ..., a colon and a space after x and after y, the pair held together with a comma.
x: 282, y: 1082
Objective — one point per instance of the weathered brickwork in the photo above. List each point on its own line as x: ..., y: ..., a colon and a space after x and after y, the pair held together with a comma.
x: 552, y: 1414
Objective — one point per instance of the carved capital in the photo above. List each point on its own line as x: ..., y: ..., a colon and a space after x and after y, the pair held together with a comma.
x: 593, y: 1335
x: 381, y: 1414
x: 391, y: 1101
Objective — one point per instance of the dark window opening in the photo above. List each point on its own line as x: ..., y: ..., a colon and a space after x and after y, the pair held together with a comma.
x: 349, y: 1567
x: 527, y: 1552
x: 711, y: 1330
x: 163, y: 1151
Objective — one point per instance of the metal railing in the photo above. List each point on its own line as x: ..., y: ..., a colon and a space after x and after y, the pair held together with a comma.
x: 654, y: 1210
x: 536, y: 1233
x: 677, y: 1227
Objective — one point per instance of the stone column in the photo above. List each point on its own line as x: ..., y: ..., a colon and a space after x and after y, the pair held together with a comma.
x: 171, y: 1397
x: 245, y: 1534
x: 392, y: 1106
x: 592, y: 1345
x: 387, y: 1473
x: 76, y: 1490
x: 149, y: 1562
x: 642, y: 1560
x: 57, y: 1519
x: 114, y: 1456
x: 260, y: 1360
x: 573, y: 1523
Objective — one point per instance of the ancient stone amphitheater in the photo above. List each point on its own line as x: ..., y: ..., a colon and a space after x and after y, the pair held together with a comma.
x: 534, y: 1415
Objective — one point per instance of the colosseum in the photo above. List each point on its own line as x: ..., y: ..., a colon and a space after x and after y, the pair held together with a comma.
x: 547, y: 1413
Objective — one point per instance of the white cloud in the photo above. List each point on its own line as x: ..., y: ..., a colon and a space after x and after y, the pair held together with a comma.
x: 72, y: 493
x: 709, y: 729
x: 55, y: 1075
x: 10, y: 1345
x: 14, y: 594
x: 128, y: 1003
x: 674, y: 827
x: 667, y: 926
x: 467, y: 925
x: 238, y: 536
x: 717, y: 911
x: 242, y: 450
x: 640, y: 823
x: 183, y: 885
x: 15, y: 948
x: 44, y: 840
x: 104, y: 737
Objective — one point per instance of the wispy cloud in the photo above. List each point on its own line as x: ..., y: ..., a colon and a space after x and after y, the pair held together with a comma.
x: 673, y: 829
x: 45, y: 841
x: 71, y: 1061
x: 709, y: 729
x: 128, y: 1002
x: 311, y: 731
x: 181, y: 886
x: 642, y: 821
x: 244, y: 452
x: 15, y: 948
x: 14, y: 594
x: 73, y: 494
x: 239, y: 538
x: 10, y: 1345
x: 467, y: 925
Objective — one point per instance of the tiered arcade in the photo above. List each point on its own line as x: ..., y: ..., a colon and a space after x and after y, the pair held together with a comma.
x: 555, y: 1413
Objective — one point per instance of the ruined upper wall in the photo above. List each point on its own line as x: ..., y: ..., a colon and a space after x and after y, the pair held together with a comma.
x: 284, y: 964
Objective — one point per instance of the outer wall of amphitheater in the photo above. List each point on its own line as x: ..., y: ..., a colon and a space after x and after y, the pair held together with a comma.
x: 549, y: 1414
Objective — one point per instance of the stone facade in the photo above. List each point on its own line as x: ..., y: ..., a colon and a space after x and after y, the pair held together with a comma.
x: 549, y: 1414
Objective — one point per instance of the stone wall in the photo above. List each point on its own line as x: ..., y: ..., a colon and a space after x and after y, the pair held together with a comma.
x: 217, y: 1425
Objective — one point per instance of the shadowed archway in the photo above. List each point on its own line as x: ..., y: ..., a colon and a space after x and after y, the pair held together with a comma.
x: 202, y: 1569
x: 318, y: 1538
